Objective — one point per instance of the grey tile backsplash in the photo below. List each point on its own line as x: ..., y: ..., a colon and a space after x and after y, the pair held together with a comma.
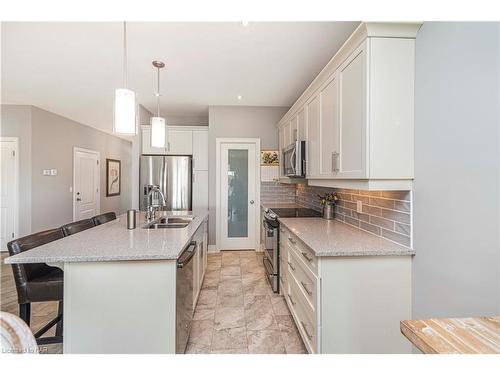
x: 276, y: 192
x: 385, y: 213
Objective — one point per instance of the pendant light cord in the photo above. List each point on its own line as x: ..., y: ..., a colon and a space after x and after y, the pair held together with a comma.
x: 158, y: 94
x: 125, y: 54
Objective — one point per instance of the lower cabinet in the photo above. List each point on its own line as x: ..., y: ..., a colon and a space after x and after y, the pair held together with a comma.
x: 345, y: 304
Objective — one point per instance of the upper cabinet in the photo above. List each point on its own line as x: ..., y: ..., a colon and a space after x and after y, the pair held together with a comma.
x: 357, y: 115
x: 179, y: 142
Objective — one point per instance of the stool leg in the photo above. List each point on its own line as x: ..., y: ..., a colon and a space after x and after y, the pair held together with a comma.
x: 59, y: 326
x: 25, y: 312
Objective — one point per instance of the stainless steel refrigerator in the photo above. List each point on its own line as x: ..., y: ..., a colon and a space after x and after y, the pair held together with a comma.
x: 173, y: 176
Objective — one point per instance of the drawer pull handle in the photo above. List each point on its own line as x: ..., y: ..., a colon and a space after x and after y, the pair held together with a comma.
x: 291, y: 299
x: 292, y: 240
x: 291, y: 266
x: 305, y: 255
x: 304, y: 285
x: 309, y: 336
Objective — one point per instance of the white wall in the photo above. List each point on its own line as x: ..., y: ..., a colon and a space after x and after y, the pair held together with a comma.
x: 46, y: 142
x: 16, y: 122
x: 238, y: 122
x: 456, y: 189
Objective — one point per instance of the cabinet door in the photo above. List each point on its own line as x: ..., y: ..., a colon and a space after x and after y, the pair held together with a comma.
x: 200, y: 150
x: 312, y: 161
x: 180, y: 142
x: 353, y: 115
x: 301, y: 125
x: 146, y: 143
x: 200, y: 191
x: 329, y: 128
x: 286, y: 135
x: 293, y: 130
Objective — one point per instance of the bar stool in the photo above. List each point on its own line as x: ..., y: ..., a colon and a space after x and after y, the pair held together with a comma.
x: 38, y: 282
x: 77, y: 226
x: 103, y: 218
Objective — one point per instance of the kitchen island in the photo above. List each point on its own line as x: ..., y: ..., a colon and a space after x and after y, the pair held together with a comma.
x: 120, y: 286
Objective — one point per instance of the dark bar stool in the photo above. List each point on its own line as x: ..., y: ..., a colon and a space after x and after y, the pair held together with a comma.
x: 103, y: 218
x: 38, y: 282
x: 77, y: 226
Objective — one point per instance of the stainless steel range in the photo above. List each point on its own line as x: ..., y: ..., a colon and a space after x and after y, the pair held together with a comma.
x: 272, y: 239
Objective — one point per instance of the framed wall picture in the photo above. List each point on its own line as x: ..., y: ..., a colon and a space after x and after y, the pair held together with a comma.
x: 113, y: 177
x: 269, y: 158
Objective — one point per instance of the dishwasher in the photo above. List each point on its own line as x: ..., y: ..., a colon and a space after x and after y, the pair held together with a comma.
x: 184, y: 297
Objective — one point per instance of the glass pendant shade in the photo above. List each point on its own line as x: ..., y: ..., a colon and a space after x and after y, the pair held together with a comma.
x: 158, y: 132
x: 125, y: 112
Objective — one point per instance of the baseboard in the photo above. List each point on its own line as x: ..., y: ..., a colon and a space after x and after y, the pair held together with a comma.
x: 212, y: 249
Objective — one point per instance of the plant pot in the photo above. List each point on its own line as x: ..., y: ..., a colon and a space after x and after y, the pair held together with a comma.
x: 329, y: 211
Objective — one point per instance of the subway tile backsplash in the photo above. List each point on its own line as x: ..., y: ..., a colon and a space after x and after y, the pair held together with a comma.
x: 276, y: 192
x: 385, y: 213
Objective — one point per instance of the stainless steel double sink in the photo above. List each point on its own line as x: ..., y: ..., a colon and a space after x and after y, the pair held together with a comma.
x: 169, y: 223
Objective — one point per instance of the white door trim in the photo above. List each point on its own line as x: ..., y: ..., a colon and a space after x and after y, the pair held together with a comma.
x: 75, y: 150
x: 218, y: 216
x: 15, y: 140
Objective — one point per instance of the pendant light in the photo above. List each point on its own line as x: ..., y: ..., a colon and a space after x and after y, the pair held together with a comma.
x: 158, y: 124
x: 125, y: 109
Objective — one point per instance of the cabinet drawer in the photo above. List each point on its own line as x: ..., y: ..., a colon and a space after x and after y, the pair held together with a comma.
x: 304, y: 253
x: 306, y: 281
x: 304, y: 318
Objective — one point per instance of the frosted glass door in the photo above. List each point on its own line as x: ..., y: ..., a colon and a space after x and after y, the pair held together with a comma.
x: 238, y: 196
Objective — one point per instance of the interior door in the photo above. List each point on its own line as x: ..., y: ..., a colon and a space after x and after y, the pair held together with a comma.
x: 87, y: 183
x: 8, y: 193
x: 237, y: 196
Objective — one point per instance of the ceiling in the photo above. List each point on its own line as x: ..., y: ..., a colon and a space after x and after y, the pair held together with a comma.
x: 72, y: 69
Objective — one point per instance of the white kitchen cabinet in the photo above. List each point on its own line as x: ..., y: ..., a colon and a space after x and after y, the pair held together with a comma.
x: 287, y: 135
x: 179, y: 142
x: 146, y: 143
x: 293, y: 130
x: 360, y: 133
x: 337, y: 305
x: 301, y: 125
x: 329, y: 128
x: 200, y: 191
x: 351, y: 137
x: 313, y: 134
x: 200, y: 150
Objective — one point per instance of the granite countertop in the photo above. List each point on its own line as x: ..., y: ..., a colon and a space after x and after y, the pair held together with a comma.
x: 112, y: 241
x: 334, y: 238
x: 266, y: 205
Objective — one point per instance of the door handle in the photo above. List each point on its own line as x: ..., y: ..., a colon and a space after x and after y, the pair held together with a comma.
x: 78, y: 199
x: 252, y: 202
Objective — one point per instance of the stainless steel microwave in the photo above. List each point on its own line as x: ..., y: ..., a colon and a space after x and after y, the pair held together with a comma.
x: 294, y: 159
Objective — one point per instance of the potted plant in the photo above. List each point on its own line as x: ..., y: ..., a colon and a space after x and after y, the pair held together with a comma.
x: 328, y: 201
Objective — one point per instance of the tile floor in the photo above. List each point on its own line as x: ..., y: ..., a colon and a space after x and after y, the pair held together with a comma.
x: 237, y: 312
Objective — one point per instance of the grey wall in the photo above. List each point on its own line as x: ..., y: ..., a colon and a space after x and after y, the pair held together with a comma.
x: 456, y: 188
x: 238, y: 122
x: 52, y: 140
x: 16, y: 122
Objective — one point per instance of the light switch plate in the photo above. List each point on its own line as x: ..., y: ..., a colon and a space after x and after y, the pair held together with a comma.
x: 53, y: 172
x: 359, y: 207
x: 46, y: 172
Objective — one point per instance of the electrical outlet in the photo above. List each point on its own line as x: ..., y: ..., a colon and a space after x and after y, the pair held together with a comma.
x: 359, y: 207
x: 46, y: 172
x: 53, y: 172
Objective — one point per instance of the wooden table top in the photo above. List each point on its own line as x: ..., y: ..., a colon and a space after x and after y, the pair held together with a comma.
x: 479, y: 335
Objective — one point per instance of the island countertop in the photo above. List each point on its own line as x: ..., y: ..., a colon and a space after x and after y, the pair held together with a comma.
x: 112, y: 241
x: 331, y: 238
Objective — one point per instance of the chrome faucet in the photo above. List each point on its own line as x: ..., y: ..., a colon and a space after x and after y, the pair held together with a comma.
x: 151, y: 208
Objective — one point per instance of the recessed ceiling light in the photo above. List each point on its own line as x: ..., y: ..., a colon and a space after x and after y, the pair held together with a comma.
x: 239, y: 97
x: 244, y: 23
